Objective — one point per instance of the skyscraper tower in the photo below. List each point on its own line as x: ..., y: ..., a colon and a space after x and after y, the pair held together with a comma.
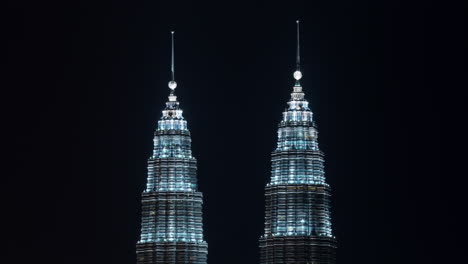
x: 297, y: 216
x: 171, y: 226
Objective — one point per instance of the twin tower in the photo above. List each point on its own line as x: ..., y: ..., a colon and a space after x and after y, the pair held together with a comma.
x: 297, y: 214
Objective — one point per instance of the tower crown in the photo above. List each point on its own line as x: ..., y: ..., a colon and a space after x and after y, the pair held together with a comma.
x: 298, y: 107
x: 172, y: 117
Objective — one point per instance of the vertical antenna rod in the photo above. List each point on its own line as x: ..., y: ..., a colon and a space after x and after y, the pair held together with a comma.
x: 298, y: 74
x: 172, y: 83
x: 298, y: 57
x: 172, y: 58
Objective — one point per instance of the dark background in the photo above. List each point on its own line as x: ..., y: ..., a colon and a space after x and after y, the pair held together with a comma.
x: 85, y: 83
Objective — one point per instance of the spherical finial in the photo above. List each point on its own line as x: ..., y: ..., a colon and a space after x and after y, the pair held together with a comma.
x: 172, y: 85
x: 297, y: 75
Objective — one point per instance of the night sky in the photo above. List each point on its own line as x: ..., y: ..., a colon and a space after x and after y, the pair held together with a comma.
x: 85, y: 84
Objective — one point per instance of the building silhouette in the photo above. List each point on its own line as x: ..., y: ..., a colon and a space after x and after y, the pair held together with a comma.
x: 171, y: 225
x: 297, y: 216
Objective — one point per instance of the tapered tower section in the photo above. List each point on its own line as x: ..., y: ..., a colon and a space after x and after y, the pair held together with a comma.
x: 297, y: 216
x: 171, y: 226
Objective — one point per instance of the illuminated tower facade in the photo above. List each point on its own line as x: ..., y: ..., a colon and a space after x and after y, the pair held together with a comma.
x: 171, y: 226
x: 297, y: 216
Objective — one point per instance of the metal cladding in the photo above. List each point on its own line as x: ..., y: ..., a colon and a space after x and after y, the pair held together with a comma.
x: 171, y: 226
x: 297, y: 219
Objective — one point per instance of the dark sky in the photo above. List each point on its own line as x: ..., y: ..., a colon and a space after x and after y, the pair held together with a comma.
x: 86, y: 80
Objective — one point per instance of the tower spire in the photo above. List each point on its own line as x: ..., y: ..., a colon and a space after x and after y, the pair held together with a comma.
x: 298, y: 56
x: 172, y: 83
x: 298, y: 74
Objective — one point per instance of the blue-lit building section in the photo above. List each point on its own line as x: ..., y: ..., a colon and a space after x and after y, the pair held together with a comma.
x: 297, y: 164
x: 171, y: 225
x: 172, y: 229
x: 297, y: 217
